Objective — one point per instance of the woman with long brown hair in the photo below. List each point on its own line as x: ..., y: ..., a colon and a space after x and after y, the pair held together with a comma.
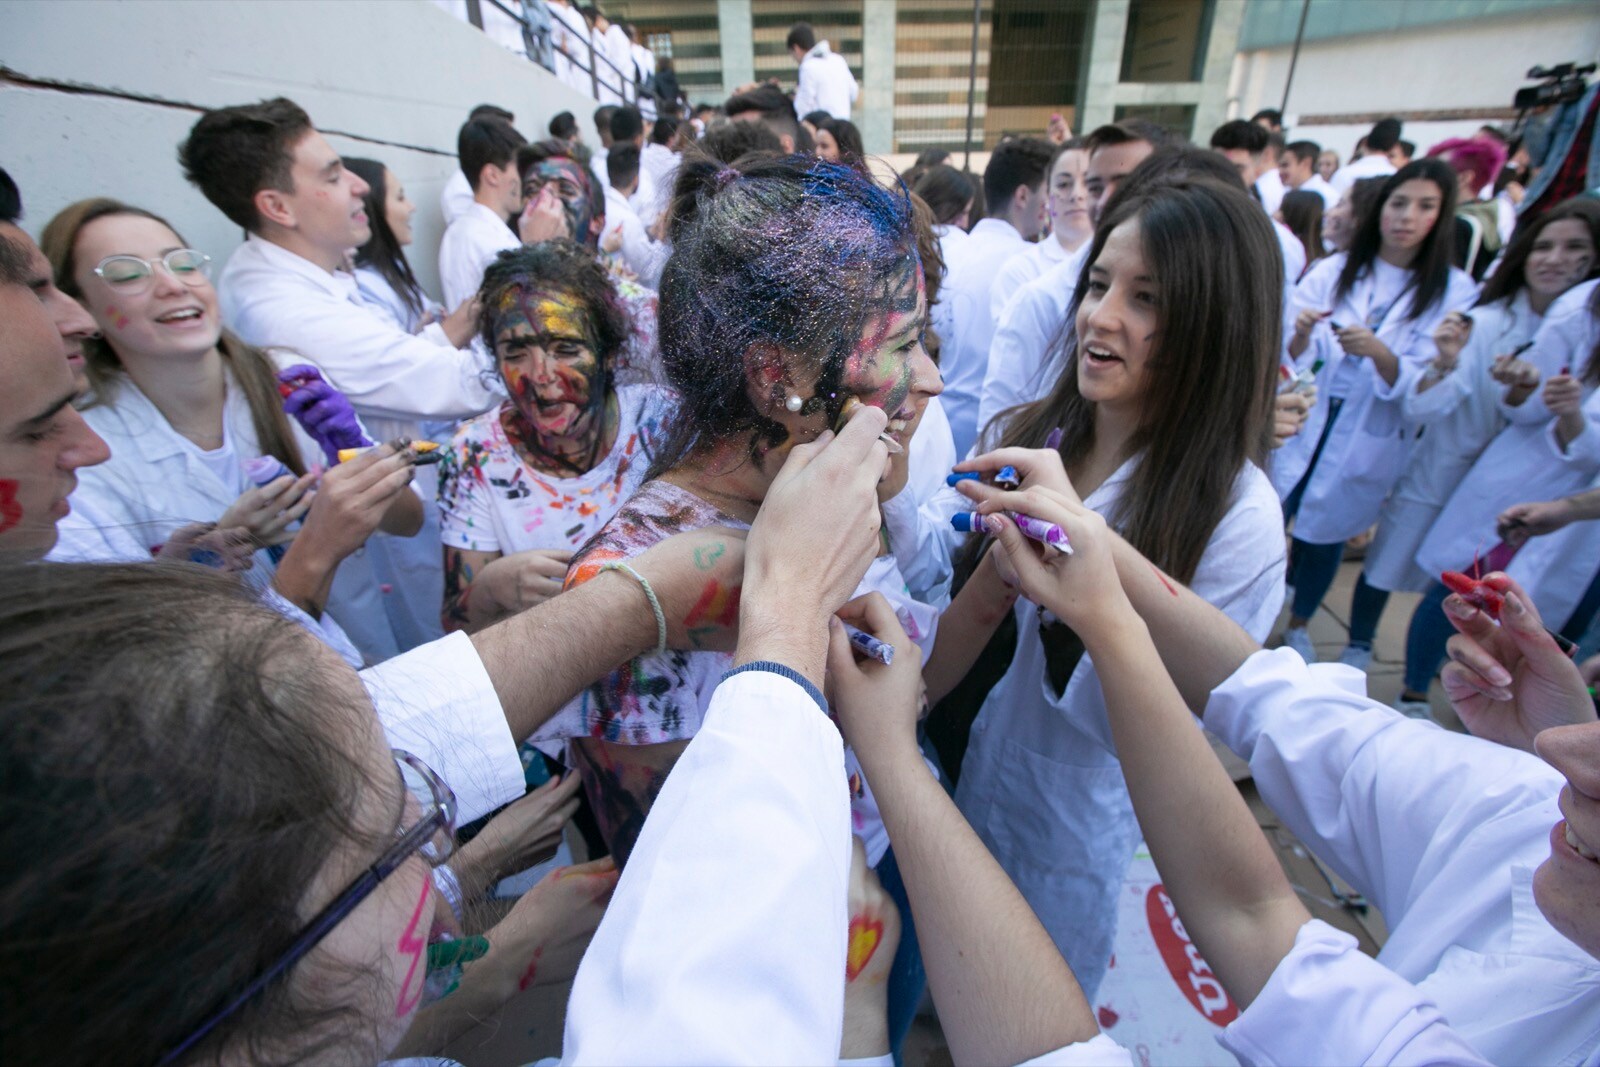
x: 196, y: 423
x: 1162, y: 417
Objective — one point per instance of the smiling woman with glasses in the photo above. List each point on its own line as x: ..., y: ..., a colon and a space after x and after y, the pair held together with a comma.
x: 199, y: 433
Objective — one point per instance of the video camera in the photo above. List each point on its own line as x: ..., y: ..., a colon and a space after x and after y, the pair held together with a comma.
x: 1561, y: 84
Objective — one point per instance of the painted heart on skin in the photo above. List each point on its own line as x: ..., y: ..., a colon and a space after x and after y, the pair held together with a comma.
x: 865, y: 934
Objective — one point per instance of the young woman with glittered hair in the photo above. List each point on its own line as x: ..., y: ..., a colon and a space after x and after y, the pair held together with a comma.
x: 528, y: 481
x: 794, y: 290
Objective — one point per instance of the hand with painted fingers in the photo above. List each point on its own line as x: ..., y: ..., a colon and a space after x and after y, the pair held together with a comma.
x: 1521, y: 521
x: 1037, y: 468
x: 873, y: 939
x: 544, y: 218
x: 525, y: 833
x: 269, y: 510
x: 1289, y: 412
x: 352, y: 498
x: 230, y: 549
x: 519, y: 581
x: 1509, y: 682
x: 1081, y: 588
x: 877, y: 706
x: 811, y: 544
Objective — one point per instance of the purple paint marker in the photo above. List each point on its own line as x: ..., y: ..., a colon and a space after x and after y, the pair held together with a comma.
x: 1046, y: 533
x: 1052, y: 440
x: 870, y: 646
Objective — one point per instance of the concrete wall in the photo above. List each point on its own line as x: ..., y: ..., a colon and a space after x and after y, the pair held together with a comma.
x: 388, y: 79
x: 1459, y: 65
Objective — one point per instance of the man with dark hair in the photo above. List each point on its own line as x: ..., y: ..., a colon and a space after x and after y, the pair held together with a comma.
x: 659, y: 160
x: 597, y: 158
x: 1374, y: 162
x: 1269, y: 119
x: 1297, y: 168
x: 627, y: 126
x: 825, y: 83
x: 627, y: 129
x: 1014, y: 192
x: 767, y: 105
x: 727, y: 141
x: 43, y: 439
x: 1114, y: 150
x: 552, y: 166
x: 72, y: 322
x: 1244, y: 144
x: 492, y: 111
x: 1402, y: 153
x: 564, y: 127
x: 487, y: 149
x: 456, y: 196
x: 639, y: 253
x: 1269, y: 183
x: 287, y: 285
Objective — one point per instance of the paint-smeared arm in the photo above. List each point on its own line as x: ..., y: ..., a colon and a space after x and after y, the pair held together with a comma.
x: 622, y: 783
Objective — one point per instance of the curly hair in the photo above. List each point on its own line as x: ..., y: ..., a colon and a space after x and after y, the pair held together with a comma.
x: 772, y: 257
x: 560, y: 266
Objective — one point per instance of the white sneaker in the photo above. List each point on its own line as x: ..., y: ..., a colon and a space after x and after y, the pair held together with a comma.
x: 1356, y: 656
x: 1296, y: 638
x: 1414, y: 709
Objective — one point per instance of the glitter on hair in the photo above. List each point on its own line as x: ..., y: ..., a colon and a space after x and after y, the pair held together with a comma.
x: 792, y: 259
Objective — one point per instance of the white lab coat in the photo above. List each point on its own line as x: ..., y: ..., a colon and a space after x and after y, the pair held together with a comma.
x: 1367, y: 449
x: 916, y: 526
x: 968, y: 322
x: 1027, y: 356
x: 456, y: 196
x: 661, y: 163
x: 1524, y: 462
x: 1041, y: 783
x: 1556, y: 569
x: 1269, y: 187
x: 377, y: 294
x: 468, y: 247
x: 646, y: 258
x: 1441, y: 832
x: 1460, y: 416
x: 619, y: 50
x: 825, y: 84
x: 1019, y: 270
x: 273, y: 298
x: 1375, y: 166
x: 1317, y: 184
x: 156, y: 482
x: 569, y: 34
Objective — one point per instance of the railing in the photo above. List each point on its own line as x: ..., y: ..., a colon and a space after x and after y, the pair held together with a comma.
x: 541, y: 48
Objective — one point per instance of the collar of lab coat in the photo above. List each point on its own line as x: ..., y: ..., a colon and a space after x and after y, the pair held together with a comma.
x: 995, y: 229
x: 341, y: 283
x: 820, y: 50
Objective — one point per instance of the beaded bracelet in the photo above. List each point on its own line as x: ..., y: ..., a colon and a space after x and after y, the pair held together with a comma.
x: 650, y: 594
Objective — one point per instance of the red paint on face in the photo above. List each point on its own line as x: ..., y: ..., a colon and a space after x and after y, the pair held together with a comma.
x: 10, y: 509
x: 412, y: 943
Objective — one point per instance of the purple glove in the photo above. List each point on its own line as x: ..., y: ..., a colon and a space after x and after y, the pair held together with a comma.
x: 321, y: 410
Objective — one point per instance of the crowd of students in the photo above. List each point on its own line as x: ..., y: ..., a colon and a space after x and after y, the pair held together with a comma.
x: 839, y: 564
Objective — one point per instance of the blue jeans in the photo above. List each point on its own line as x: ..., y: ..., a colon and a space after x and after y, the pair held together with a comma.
x: 1588, y: 605
x: 1430, y: 629
x: 1311, y: 572
x: 1366, y: 608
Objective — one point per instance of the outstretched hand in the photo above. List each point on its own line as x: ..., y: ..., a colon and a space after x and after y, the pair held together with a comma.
x: 321, y: 410
x: 1510, y: 681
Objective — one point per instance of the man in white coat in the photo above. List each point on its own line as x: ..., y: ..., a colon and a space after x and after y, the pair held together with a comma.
x: 1375, y: 163
x: 456, y: 196
x: 1014, y: 192
x: 270, y: 171
x: 826, y: 83
x: 1297, y: 168
x: 487, y: 149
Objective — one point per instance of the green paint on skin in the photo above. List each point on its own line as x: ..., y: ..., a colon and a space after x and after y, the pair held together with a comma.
x: 880, y: 371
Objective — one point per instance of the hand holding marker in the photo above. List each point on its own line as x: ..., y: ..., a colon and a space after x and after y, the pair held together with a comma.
x: 427, y: 452
x: 1046, y: 533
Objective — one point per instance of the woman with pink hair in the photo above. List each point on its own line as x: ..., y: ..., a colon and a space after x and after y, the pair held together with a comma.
x: 1477, y: 162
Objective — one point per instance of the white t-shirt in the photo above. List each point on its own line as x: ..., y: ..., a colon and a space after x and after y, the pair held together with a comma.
x: 492, y: 501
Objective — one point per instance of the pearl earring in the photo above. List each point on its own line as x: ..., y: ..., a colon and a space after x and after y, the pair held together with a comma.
x: 794, y: 403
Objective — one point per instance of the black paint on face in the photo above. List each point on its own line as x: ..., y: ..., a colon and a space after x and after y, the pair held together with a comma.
x: 567, y: 179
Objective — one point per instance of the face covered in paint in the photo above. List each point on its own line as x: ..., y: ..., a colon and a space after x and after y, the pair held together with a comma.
x: 545, y: 350
x: 567, y: 179
x: 890, y: 368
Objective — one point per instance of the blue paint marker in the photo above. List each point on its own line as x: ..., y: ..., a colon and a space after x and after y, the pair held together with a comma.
x: 870, y: 646
x: 969, y: 476
x: 1007, y: 478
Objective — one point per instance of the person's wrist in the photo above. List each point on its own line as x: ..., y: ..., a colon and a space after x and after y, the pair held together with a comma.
x: 782, y: 630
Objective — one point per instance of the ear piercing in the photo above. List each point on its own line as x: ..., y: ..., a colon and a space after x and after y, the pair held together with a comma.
x: 794, y: 403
